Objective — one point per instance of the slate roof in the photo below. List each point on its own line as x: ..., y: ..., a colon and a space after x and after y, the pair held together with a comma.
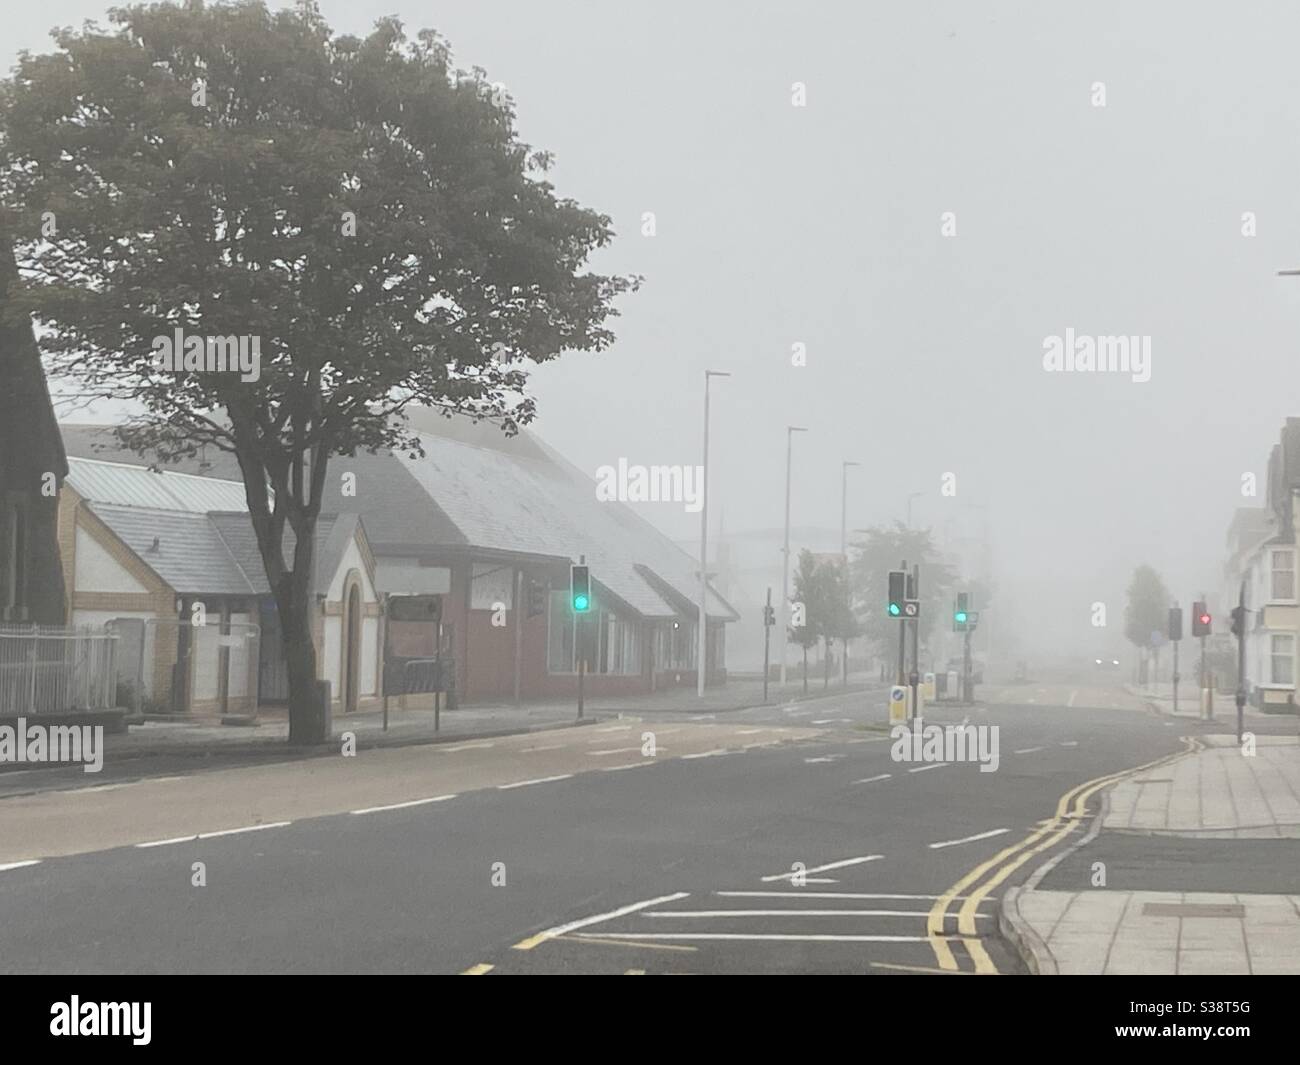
x: 477, y: 488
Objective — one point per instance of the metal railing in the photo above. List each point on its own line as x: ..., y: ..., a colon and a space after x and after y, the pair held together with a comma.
x: 50, y: 671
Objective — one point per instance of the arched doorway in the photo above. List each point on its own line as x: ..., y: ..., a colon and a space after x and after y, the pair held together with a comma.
x: 352, y: 648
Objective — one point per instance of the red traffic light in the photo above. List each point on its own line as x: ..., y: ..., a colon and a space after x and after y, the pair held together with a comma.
x: 1205, y: 619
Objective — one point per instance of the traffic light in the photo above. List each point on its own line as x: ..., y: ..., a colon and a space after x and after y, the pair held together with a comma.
x: 897, y: 592
x: 1238, y: 620
x: 961, y: 613
x: 536, y: 599
x: 769, y: 616
x: 580, y: 589
x: 1200, y: 619
x: 1175, y: 623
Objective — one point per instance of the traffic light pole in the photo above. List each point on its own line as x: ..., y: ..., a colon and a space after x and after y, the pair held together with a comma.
x: 916, y: 636
x: 966, y: 693
x: 1175, y: 676
x: 767, y: 643
x: 902, y: 639
x: 1241, y: 658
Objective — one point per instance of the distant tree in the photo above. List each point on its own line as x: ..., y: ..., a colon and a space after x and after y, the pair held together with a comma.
x: 362, y: 208
x: 840, y: 622
x: 1147, y: 610
x: 873, y: 557
x: 809, y: 590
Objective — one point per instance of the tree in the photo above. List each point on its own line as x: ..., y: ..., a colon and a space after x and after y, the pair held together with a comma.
x: 361, y: 210
x: 1147, y: 609
x: 809, y: 591
x: 840, y: 622
x: 883, y: 548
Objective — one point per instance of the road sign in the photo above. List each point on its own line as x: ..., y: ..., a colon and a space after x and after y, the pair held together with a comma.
x: 912, y: 608
x: 898, y: 703
x: 972, y: 618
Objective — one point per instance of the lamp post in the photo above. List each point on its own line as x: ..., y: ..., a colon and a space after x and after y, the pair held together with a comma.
x: 790, y: 430
x: 701, y: 645
x: 844, y: 556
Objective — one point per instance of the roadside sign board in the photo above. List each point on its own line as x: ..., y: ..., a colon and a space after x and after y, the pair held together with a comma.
x: 912, y: 608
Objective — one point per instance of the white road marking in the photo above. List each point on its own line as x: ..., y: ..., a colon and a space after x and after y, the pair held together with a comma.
x: 825, y: 721
x: 629, y: 765
x: 20, y: 865
x: 245, y: 828
x: 749, y: 731
x: 932, y: 765
x: 823, y: 758
x: 707, y: 754
x: 166, y: 842
x: 969, y: 839
x: 872, y: 780
x: 465, y: 747
x: 526, y: 783
x: 835, y: 895
x: 768, y: 937
x: 403, y: 805
x: 843, y: 863
x: 795, y: 913
x: 548, y: 747
x: 622, y: 911
x: 614, y: 728
x: 1028, y: 750
x: 614, y: 750
x: 1070, y: 743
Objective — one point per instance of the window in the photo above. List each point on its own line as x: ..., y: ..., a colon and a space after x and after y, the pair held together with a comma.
x: 616, y: 641
x: 1282, y: 660
x: 1283, y: 574
x: 13, y: 559
x: 559, y: 642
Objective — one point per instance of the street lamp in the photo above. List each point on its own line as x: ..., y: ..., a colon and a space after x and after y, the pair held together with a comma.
x: 844, y: 552
x: 790, y: 430
x: 701, y: 646
x: 910, y: 497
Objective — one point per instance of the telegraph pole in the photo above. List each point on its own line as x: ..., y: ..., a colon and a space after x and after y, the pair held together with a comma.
x: 790, y: 430
x: 1239, y: 626
x: 767, y: 640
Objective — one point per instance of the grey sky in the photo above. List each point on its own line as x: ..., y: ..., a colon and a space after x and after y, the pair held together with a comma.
x: 821, y: 224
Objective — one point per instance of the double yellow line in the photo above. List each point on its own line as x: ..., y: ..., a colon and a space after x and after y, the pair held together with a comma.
x: 1071, y: 808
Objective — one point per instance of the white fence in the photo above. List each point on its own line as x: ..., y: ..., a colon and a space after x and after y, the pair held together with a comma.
x: 48, y: 671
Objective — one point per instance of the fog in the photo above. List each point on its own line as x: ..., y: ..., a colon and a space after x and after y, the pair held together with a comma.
x: 820, y: 225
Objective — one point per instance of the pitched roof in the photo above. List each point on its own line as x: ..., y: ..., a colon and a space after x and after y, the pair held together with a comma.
x: 477, y: 488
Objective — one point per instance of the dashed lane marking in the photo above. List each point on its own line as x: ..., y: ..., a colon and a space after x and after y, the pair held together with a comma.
x: 538, y: 780
x: 872, y: 780
x: 932, y: 765
x: 757, y: 937
x: 19, y: 865
x: 842, y: 864
x: 402, y: 805
x: 481, y: 969
x: 464, y: 747
x: 1028, y: 750
x: 969, y: 839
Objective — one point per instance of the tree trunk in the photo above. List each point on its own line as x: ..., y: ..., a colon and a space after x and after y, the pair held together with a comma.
x: 306, y: 717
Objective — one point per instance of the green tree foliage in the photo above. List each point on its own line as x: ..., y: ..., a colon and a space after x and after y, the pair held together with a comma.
x: 881, y: 550
x: 1147, y: 610
x: 365, y: 209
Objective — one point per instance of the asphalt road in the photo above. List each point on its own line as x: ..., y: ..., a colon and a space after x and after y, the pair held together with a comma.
x: 570, y: 851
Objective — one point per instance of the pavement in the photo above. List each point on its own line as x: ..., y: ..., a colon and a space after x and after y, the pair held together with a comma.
x: 794, y: 837
x: 1190, y: 867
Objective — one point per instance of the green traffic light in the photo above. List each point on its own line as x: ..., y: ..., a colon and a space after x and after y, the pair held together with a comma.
x: 961, y: 617
x: 894, y: 609
x: 580, y: 602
